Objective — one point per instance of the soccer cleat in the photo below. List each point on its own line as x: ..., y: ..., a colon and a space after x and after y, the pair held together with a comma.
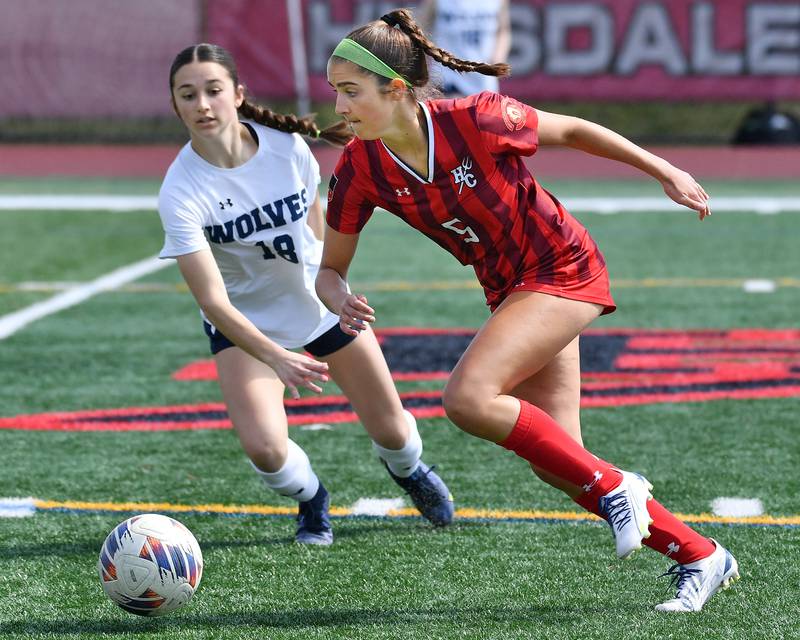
x: 625, y: 510
x: 429, y: 494
x: 697, y: 581
x: 313, y: 521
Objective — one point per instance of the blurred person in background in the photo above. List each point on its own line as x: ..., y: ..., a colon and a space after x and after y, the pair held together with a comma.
x: 453, y: 169
x: 470, y: 30
x: 241, y: 213
x: 768, y: 125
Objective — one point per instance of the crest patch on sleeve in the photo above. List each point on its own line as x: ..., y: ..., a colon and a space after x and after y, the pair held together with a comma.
x: 514, y: 115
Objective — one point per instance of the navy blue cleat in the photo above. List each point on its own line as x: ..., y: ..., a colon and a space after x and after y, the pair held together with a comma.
x: 429, y: 494
x: 313, y: 521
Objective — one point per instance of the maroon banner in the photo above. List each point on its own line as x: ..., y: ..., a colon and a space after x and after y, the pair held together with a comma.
x: 257, y: 34
x: 91, y: 58
x: 590, y: 50
x: 668, y: 49
x: 55, y: 66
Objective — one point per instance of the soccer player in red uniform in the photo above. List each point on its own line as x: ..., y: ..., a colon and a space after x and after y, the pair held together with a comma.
x: 453, y: 170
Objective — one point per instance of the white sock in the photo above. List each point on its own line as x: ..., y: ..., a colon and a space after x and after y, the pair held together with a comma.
x: 295, y: 479
x: 403, y: 462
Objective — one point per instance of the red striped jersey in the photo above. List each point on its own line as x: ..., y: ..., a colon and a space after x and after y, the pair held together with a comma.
x: 478, y: 200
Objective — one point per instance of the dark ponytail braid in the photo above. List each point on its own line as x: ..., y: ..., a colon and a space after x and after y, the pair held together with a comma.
x: 338, y: 134
x: 404, y: 21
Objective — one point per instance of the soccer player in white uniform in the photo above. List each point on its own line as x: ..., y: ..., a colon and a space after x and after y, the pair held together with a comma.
x: 470, y: 30
x: 242, y: 217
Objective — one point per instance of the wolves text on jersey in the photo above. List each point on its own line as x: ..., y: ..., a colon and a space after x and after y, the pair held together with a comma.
x: 268, y: 216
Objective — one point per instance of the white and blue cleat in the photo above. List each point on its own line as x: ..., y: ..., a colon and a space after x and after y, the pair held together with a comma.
x: 697, y: 581
x: 625, y: 510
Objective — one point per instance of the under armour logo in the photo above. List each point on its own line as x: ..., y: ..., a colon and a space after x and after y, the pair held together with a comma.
x: 402, y: 192
x: 673, y: 548
x: 227, y: 201
x: 463, y: 176
x: 588, y: 487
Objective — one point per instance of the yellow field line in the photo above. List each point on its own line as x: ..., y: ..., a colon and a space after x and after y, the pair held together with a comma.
x: 404, y: 285
x: 463, y: 513
x: 689, y: 283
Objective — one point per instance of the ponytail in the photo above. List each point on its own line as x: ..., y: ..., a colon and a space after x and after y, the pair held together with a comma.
x: 397, y: 41
x: 338, y: 134
x: 403, y: 20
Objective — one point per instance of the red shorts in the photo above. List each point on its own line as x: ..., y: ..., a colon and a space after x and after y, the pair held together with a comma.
x: 595, y: 289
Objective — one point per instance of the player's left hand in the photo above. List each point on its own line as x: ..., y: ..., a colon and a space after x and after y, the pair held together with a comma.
x: 355, y: 314
x: 297, y: 370
x: 684, y: 189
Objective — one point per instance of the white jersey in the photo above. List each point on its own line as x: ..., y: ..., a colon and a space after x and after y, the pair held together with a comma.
x: 254, y: 220
x: 468, y: 30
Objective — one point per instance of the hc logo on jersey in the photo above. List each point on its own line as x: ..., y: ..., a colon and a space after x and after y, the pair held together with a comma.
x: 463, y: 176
x: 402, y: 192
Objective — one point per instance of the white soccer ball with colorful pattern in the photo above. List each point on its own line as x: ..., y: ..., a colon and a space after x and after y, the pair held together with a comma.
x: 150, y: 564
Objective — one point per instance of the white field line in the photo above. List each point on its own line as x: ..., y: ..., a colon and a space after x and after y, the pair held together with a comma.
x: 317, y: 426
x: 601, y: 205
x: 737, y: 507
x: 760, y: 286
x: 17, y: 507
x: 81, y: 202
x: 656, y: 205
x: 13, y: 322
x: 376, y: 506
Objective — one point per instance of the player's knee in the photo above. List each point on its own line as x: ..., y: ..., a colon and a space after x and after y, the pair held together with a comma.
x: 266, y: 456
x: 464, y: 405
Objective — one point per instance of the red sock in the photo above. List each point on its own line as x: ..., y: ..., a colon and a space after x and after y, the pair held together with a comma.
x: 675, y: 539
x: 539, y: 439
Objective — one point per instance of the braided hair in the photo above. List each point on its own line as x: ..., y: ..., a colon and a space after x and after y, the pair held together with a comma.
x: 400, y: 43
x: 338, y: 134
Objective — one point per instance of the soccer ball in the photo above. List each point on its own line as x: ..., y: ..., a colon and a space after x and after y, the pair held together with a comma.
x: 150, y: 565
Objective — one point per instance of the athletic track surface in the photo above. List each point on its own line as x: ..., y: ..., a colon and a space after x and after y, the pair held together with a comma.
x: 141, y: 161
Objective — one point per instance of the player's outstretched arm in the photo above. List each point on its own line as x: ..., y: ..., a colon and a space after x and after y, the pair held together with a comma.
x: 295, y: 370
x: 556, y: 129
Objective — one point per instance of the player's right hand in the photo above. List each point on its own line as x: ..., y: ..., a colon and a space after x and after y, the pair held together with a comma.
x: 298, y: 370
x: 684, y: 189
x: 355, y: 314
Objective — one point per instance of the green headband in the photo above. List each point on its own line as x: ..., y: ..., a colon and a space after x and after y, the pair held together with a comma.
x: 355, y: 53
